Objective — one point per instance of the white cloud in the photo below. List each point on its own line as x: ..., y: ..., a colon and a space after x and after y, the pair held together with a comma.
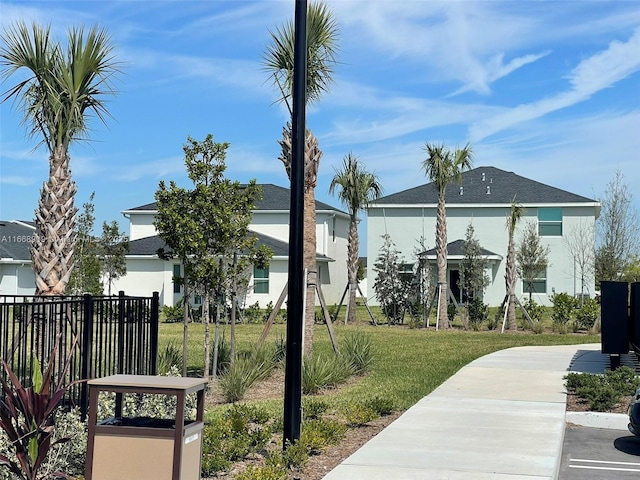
x: 154, y: 169
x: 593, y: 74
x: 17, y: 180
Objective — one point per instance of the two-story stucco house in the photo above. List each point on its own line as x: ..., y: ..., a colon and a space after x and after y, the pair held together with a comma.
x: 483, y: 198
x: 147, y: 273
x: 16, y: 275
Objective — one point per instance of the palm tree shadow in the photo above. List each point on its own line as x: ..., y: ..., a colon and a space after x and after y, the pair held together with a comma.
x: 629, y: 445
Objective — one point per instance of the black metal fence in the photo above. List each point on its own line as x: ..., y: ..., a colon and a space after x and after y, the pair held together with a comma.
x: 111, y: 335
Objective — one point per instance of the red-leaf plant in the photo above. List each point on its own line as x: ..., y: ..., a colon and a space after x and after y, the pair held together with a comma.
x: 27, y: 416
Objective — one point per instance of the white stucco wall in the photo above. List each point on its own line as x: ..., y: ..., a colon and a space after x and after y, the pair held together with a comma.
x: 141, y: 225
x: 145, y: 276
x: 17, y: 279
x: 407, y: 224
x: 332, y: 229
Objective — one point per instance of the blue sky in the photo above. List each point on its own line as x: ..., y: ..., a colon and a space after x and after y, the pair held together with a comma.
x: 549, y: 90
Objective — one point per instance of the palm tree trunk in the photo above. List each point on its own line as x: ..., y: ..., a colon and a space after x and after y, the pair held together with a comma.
x: 312, y: 155
x: 54, y: 241
x: 510, y: 278
x: 352, y: 268
x: 441, y: 253
x: 310, y: 265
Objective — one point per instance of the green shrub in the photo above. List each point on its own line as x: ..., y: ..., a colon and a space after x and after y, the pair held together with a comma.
x: 587, y: 315
x: 214, y: 458
x: 266, y: 472
x: 294, y: 456
x: 603, y: 392
x: 239, y: 432
x: 382, y: 406
x: 252, y: 314
x: 477, y: 311
x: 564, y: 306
x: 312, y: 408
x: 320, y: 432
x: 357, y: 349
x: 358, y: 414
x: 173, y: 314
x: 451, y: 312
x: 324, y: 371
x: 171, y: 356
x: 534, y: 310
x: 623, y: 380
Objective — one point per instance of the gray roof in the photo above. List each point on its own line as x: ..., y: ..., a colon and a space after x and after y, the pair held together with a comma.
x: 151, y: 245
x: 273, y: 198
x: 486, y: 185
x: 15, y: 240
x: 456, y: 248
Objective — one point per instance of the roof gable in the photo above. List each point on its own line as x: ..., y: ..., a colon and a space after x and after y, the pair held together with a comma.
x: 15, y: 240
x: 456, y: 249
x: 488, y: 185
x: 149, y: 246
x: 274, y: 197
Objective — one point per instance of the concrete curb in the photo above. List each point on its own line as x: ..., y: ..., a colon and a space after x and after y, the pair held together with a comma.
x: 612, y: 421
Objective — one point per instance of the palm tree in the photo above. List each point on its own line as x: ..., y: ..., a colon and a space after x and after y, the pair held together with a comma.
x: 64, y: 87
x: 515, y: 214
x: 322, y: 35
x: 442, y: 167
x: 358, y: 188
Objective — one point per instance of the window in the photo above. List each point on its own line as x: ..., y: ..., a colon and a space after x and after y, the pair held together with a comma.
x: 260, y: 280
x: 538, y: 284
x: 177, y: 274
x: 550, y: 222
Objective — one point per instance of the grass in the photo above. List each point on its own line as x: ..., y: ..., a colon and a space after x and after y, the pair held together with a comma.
x: 408, y: 363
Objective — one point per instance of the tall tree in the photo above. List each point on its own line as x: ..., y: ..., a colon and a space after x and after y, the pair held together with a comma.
x: 322, y: 38
x: 214, y: 217
x: 617, y: 230
x: 64, y: 87
x: 579, y: 241
x: 85, y: 277
x: 516, y: 212
x: 358, y: 188
x: 442, y: 167
x: 473, y: 278
x: 532, y: 256
x: 390, y: 288
x: 113, y: 246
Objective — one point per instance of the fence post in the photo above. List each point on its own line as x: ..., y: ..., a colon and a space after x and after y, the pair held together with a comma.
x: 634, y: 317
x: 121, y: 315
x: 154, y: 325
x: 86, y: 351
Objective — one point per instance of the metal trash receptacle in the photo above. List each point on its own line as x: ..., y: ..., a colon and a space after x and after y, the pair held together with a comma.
x: 144, y: 448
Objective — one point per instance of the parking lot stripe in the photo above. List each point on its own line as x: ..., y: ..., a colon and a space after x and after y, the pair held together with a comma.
x: 604, y: 461
x: 610, y: 469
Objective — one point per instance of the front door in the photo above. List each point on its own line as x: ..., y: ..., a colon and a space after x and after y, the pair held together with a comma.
x: 454, y: 277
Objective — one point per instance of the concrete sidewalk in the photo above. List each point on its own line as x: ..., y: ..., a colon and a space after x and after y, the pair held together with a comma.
x: 501, y: 417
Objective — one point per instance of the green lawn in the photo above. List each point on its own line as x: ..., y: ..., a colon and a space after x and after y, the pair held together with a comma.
x: 409, y: 363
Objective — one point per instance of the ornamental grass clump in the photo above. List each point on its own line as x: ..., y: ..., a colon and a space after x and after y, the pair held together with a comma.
x: 358, y: 351
x: 324, y: 371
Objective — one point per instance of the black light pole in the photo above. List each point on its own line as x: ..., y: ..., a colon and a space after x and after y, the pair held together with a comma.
x: 297, y: 282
